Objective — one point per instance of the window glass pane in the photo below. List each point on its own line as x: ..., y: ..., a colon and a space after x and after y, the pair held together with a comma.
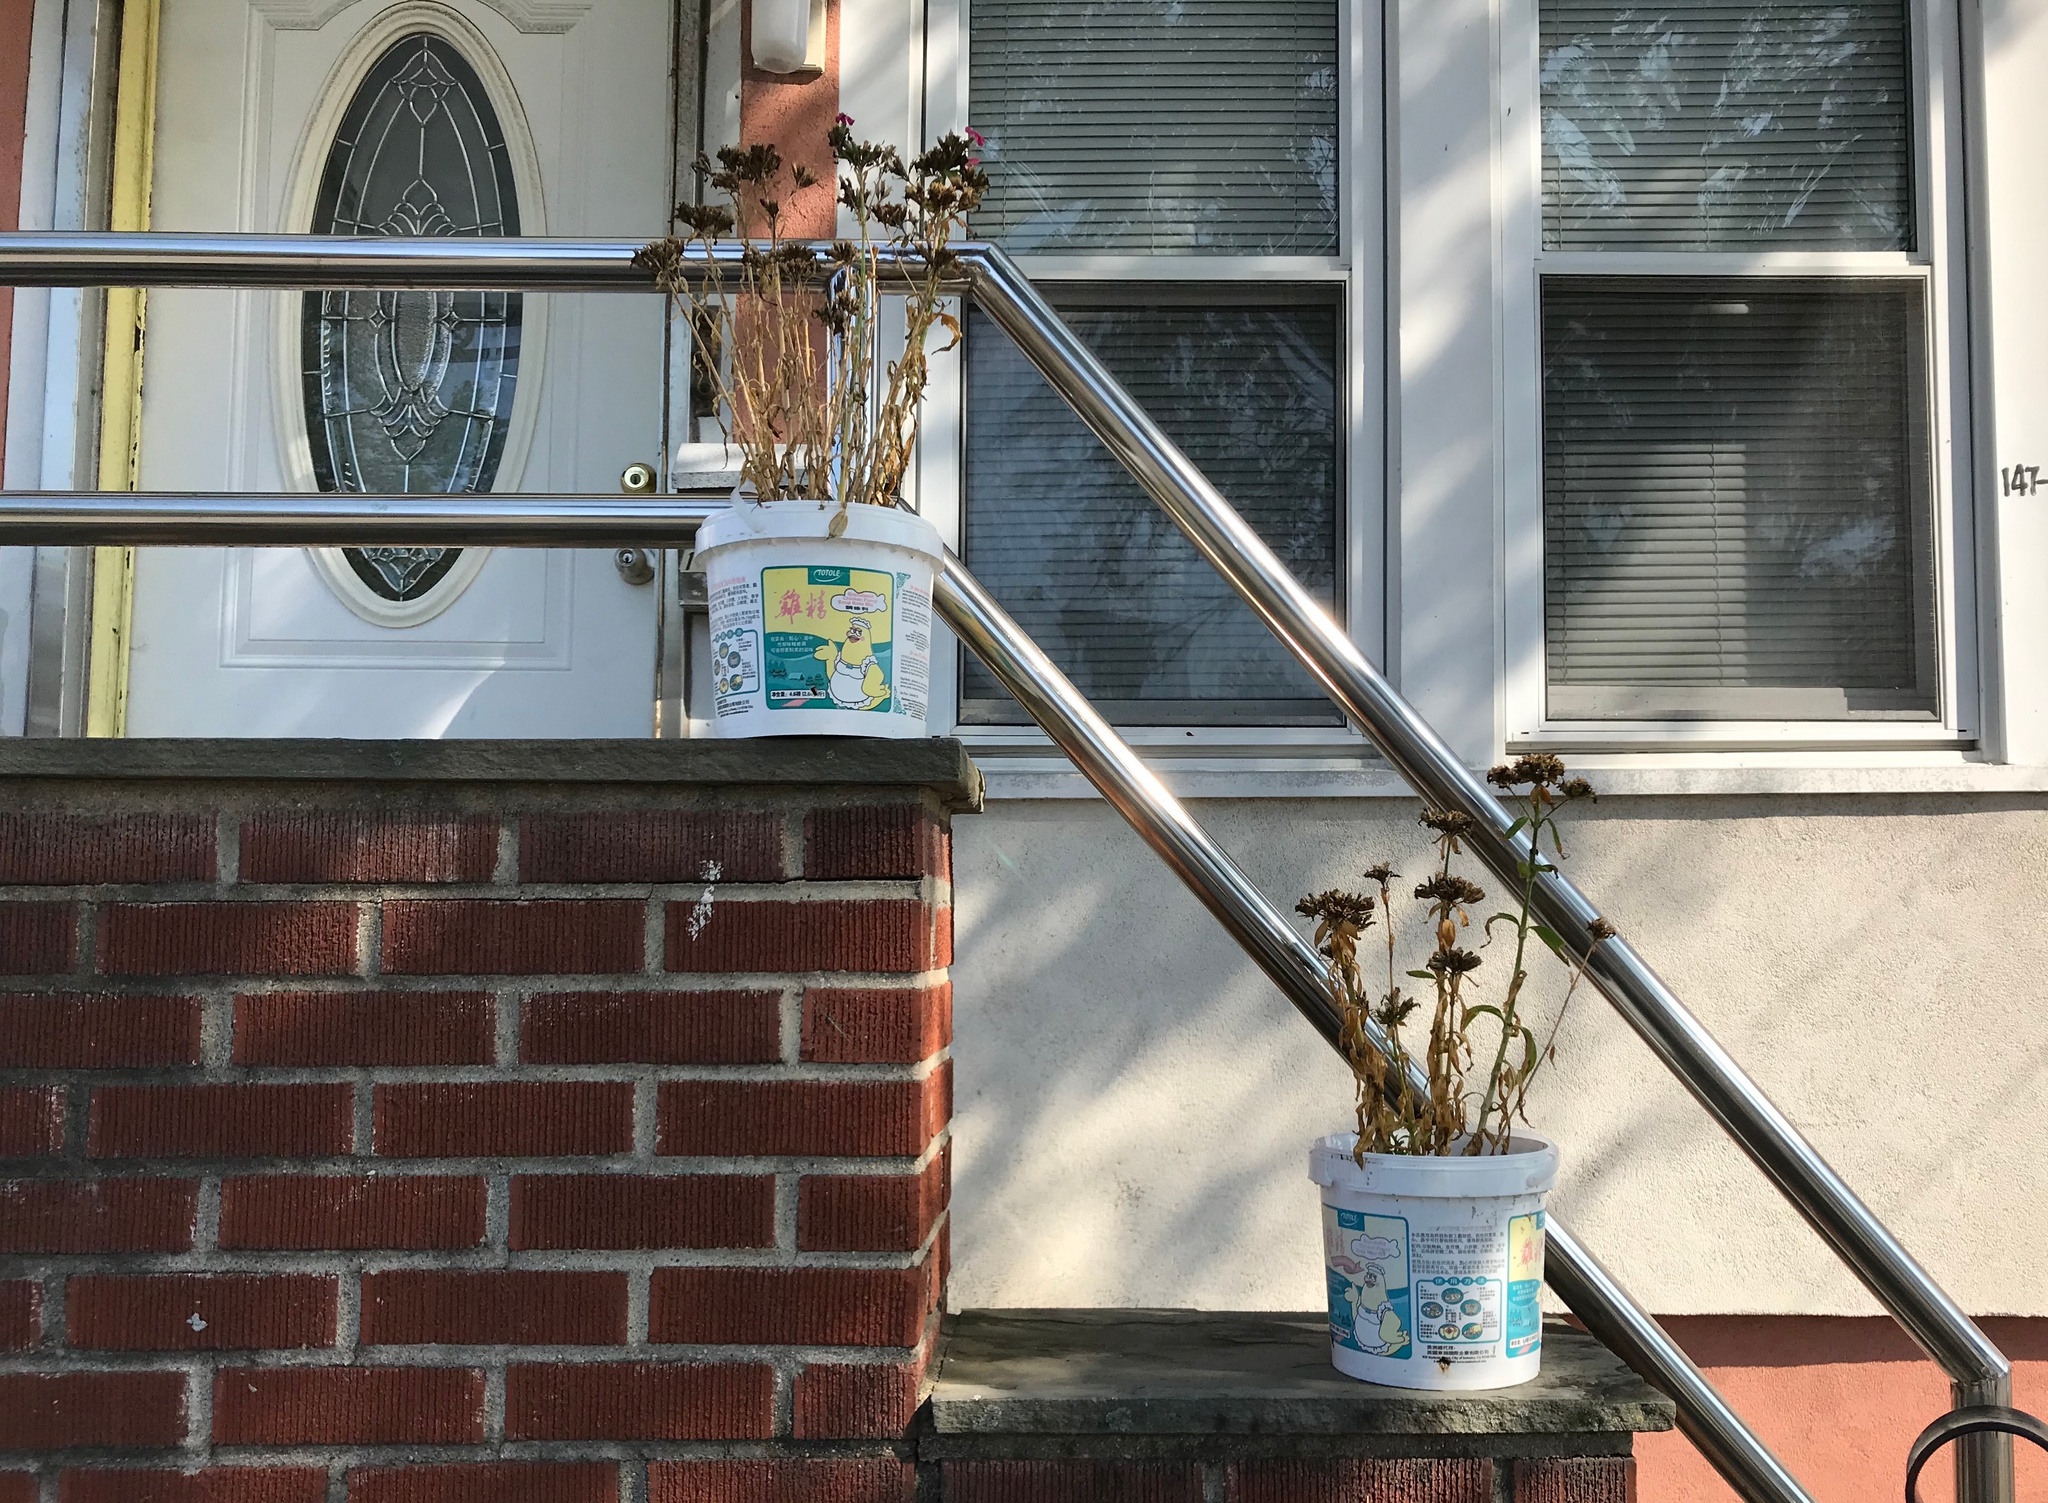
x: 411, y: 392
x: 1158, y: 126
x: 1091, y: 567
x: 1735, y: 486
x: 1723, y: 124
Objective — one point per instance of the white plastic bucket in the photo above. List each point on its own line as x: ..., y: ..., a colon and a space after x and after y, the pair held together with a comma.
x: 1435, y: 1264
x: 816, y: 635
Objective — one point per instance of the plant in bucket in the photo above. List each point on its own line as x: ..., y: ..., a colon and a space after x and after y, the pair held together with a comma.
x: 820, y: 584
x: 1433, y: 1209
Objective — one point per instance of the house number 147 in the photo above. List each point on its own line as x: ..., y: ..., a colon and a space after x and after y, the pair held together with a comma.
x: 2020, y: 480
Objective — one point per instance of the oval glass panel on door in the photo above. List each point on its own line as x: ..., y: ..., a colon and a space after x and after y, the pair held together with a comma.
x: 421, y: 119
x: 411, y: 391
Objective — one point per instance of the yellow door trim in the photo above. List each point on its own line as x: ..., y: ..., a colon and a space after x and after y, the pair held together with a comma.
x: 113, y: 573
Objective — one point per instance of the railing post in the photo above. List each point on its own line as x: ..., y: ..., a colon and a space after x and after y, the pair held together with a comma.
x: 1984, y: 1466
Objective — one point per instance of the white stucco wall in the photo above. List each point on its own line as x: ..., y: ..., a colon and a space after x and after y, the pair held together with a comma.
x: 1134, y: 1101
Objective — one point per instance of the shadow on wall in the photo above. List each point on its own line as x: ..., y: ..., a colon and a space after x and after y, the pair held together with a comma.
x: 1135, y: 1101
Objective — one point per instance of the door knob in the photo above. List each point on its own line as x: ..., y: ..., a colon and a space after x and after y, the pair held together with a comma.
x: 636, y: 565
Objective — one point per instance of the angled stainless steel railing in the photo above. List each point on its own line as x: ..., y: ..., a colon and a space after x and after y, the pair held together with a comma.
x: 1978, y: 1372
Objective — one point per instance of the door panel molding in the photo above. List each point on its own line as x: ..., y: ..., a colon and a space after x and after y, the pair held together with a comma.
x: 275, y: 621
x: 534, y: 17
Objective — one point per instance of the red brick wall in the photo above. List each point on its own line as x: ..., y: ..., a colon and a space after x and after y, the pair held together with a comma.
x: 405, y: 1144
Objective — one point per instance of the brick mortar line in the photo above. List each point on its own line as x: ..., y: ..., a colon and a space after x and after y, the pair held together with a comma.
x: 646, y: 1118
x: 216, y: 1031
x: 85, y: 939
x: 506, y: 872
x: 227, y: 848
x: 508, y: 1012
x: 403, y: 799
x: 497, y: 1220
x: 494, y: 1406
x: 230, y: 987
x: 362, y: 1118
x: 205, y: 1220
x: 785, y: 1213
x: 438, y: 982
x: 815, y: 1072
x: 624, y: 1452
x: 450, y: 1356
x: 343, y: 1166
x: 654, y: 936
x: 370, y: 939
x: 782, y: 1404
x: 673, y: 890
x: 346, y: 1264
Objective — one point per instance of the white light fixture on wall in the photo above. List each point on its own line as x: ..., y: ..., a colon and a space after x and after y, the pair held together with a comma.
x: 789, y: 36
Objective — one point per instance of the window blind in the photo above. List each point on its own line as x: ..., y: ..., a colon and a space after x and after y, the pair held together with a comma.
x: 1736, y: 512
x: 1085, y: 561
x: 1157, y: 126
x: 1724, y: 124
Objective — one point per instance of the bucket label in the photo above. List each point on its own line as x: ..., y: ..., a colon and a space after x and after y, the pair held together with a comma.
x: 1367, y: 1260
x: 735, y: 661
x: 1458, y: 1312
x: 1525, y: 1284
x: 1460, y: 1293
x: 828, y: 640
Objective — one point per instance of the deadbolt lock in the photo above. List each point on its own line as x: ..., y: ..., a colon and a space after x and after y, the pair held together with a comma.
x: 636, y: 565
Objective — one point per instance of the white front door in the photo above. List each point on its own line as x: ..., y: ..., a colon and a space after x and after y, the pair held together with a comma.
x: 426, y: 117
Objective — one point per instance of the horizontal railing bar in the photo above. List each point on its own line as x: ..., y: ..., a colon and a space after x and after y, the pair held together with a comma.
x: 337, y: 519
x: 169, y: 258
x: 1436, y: 772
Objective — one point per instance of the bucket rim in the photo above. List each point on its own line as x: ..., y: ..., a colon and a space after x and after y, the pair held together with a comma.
x: 802, y: 521
x: 1529, y: 1167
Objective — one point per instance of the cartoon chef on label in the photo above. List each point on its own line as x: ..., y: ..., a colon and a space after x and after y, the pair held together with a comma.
x: 857, y: 681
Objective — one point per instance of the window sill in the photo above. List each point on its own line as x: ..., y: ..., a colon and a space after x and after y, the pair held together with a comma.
x: 1323, y: 775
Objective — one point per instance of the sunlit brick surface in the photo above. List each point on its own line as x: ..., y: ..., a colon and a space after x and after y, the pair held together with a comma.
x: 510, y: 1143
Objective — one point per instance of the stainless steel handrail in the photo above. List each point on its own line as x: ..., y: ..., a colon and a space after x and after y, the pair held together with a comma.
x: 334, y: 519
x: 170, y: 258
x: 1977, y: 1370
x: 1979, y: 1373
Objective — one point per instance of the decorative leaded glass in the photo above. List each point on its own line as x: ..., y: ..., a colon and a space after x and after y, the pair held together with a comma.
x: 412, y: 391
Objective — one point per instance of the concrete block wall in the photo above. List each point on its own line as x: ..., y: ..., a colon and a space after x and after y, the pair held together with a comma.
x: 370, y: 1141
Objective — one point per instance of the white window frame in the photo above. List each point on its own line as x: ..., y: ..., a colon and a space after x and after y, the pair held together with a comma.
x: 1359, y: 270
x: 1937, y: 263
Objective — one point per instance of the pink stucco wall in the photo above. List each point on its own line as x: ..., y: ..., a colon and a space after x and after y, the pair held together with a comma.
x: 1838, y: 1399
